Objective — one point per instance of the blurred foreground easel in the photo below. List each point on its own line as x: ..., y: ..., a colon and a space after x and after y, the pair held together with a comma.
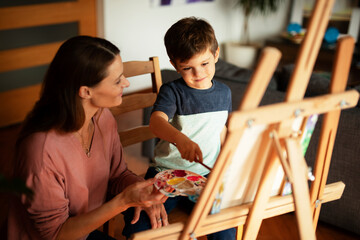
x: 243, y: 185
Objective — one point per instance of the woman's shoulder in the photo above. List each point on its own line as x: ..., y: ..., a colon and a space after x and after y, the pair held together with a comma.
x: 31, y: 151
x: 42, y: 142
x: 35, y: 140
x: 105, y: 117
x: 105, y: 121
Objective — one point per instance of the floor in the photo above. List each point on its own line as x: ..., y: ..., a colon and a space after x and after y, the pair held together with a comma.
x: 283, y: 227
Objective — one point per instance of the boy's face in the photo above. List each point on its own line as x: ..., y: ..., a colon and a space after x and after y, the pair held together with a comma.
x: 199, y: 70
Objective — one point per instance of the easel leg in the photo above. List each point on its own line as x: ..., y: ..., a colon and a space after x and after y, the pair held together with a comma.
x: 342, y: 63
x: 256, y: 213
x: 300, y: 190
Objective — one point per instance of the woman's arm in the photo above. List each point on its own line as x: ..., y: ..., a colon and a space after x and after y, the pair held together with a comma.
x: 141, y: 194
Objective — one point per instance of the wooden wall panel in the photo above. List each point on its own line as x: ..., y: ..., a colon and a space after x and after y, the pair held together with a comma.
x: 27, y: 57
x: 51, y: 13
x: 16, y: 103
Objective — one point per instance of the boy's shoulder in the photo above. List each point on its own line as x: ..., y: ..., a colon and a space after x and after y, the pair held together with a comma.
x: 178, y: 83
x: 180, y: 88
x: 221, y: 87
x: 220, y: 84
x: 175, y: 82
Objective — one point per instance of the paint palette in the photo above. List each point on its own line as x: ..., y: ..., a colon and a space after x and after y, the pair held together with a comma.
x: 180, y: 183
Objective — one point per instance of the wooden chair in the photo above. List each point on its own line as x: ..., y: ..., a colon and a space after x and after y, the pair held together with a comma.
x: 262, y: 140
x: 136, y: 100
x: 139, y: 99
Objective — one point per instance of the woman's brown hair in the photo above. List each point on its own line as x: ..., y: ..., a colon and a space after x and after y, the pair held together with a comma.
x: 80, y: 61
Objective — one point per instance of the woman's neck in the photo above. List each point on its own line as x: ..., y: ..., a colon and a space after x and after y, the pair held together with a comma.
x: 90, y: 112
x: 85, y: 134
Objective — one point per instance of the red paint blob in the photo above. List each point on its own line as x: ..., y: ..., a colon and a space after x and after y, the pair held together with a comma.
x: 193, y: 178
x: 179, y: 173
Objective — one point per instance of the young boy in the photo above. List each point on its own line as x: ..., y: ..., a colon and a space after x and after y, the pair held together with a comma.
x: 190, y: 113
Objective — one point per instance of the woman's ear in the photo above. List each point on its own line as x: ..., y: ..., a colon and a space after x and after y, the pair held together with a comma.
x: 84, y: 92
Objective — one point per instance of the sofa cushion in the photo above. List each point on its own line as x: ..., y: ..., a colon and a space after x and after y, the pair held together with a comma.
x: 319, y: 82
x: 230, y: 72
x: 238, y: 90
x: 168, y: 75
x: 345, y: 167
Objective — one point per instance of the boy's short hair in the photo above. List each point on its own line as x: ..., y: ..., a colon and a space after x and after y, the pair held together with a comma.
x: 189, y: 36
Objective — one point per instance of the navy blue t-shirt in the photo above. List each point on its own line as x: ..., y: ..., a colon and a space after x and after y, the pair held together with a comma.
x: 200, y: 114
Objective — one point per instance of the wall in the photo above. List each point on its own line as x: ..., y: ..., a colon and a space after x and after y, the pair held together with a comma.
x: 138, y: 29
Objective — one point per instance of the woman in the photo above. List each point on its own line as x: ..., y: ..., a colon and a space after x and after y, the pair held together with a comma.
x: 69, y: 151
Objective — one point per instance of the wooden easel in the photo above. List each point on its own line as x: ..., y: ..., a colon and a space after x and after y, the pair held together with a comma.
x: 279, y: 145
x: 200, y: 223
x: 305, y: 207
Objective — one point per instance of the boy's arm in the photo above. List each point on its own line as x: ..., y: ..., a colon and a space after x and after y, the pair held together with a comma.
x: 223, y: 135
x: 160, y: 126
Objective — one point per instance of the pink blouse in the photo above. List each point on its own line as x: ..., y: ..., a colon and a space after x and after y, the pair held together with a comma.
x: 65, y: 181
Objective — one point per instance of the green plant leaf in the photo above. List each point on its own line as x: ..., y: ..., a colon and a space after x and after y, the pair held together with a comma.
x: 262, y: 7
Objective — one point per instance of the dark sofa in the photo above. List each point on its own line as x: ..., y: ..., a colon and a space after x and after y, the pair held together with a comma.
x: 345, y: 164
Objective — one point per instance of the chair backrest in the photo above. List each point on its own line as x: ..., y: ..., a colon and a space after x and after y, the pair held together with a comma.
x: 148, y: 73
x: 141, y: 99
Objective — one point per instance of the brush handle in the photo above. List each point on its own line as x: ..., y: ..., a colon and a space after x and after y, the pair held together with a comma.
x: 206, y: 166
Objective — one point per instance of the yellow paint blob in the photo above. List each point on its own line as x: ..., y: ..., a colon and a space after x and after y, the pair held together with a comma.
x: 175, y: 181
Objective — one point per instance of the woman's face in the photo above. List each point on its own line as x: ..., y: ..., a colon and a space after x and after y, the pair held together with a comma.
x: 108, y: 93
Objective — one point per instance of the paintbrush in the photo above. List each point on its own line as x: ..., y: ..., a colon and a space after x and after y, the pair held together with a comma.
x: 197, y: 160
x: 204, y: 165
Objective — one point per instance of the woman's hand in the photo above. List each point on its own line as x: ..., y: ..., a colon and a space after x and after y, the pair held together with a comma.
x: 157, y: 215
x: 142, y: 194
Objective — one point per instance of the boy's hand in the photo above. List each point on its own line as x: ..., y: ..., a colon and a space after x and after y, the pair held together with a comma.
x: 160, y: 126
x: 188, y: 149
